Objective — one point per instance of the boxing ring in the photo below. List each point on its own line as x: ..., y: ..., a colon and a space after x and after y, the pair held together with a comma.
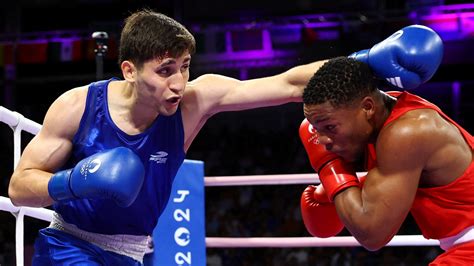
x: 19, y: 123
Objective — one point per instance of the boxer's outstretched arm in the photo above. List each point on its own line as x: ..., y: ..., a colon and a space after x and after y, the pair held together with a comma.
x: 228, y: 94
x: 47, y: 151
x: 210, y: 94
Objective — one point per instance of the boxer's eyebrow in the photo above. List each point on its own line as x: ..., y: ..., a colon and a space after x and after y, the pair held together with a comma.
x: 320, y: 120
x: 167, y: 62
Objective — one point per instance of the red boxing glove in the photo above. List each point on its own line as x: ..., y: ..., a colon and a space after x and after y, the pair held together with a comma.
x: 319, y: 214
x: 334, y: 174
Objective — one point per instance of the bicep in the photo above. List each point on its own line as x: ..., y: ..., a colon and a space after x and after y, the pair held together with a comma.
x: 402, y: 153
x: 204, y: 97
x: 49, y: 149
x: 390, y: 194
x: 42, y: 156
x: 390, y: 188
x: 46, y: 152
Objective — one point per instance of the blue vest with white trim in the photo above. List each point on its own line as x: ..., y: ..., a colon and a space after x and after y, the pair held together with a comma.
x: 160, y: 148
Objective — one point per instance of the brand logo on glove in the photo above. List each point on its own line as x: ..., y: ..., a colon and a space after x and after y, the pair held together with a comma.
x: 314, y: 135
x: 395, y: 81
x: 90, y: 167
x: 95, y: 165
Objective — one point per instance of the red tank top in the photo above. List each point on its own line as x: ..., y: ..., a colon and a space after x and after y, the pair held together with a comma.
x: 439, y: 211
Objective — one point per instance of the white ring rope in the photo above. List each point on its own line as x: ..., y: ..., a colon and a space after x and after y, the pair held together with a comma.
x: 249, y: 180
x: 19, y: 123
x: 38, y: 213
x: 298, y: 242
x: 16, y: 120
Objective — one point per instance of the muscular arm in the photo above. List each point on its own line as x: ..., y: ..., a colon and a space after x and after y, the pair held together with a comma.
x: 375, y: 213
x: 47, y: 151
x: 211, y: 94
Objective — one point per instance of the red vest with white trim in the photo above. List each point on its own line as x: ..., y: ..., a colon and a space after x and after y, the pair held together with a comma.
x: 439, y: 211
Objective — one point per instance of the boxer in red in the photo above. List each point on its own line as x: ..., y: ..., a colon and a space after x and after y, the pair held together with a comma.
x: 418, y: 160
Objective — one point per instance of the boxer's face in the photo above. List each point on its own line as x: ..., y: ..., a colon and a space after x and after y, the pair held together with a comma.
x: 343, y: 130
x: 163, y: 80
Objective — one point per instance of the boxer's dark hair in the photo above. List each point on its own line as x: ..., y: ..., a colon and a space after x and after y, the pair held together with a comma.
x: 148, y: 35
x: 340, y: 81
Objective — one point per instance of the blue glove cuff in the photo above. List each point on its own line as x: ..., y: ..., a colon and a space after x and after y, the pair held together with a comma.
x: 58, y: 186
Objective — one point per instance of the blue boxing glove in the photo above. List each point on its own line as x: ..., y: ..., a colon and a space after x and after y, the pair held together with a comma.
x: 115, y: 174
x: 406, y: 59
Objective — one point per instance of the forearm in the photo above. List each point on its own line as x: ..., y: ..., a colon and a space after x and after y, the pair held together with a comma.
x: 227, y: 94
x: 299, y: 77
x: 369, y: 222
x: 30, y: 188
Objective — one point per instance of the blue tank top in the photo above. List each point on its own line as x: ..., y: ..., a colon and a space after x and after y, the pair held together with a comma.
x: 161, y: 149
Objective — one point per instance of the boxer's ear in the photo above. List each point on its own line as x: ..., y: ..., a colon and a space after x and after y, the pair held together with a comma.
x: 368, y: 106
x: 129, y: 71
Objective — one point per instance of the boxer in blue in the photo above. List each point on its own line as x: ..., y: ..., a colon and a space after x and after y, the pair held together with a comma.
x: 108, y: 152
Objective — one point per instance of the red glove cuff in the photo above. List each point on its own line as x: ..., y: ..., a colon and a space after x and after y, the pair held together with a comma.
x: 336, y: 176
